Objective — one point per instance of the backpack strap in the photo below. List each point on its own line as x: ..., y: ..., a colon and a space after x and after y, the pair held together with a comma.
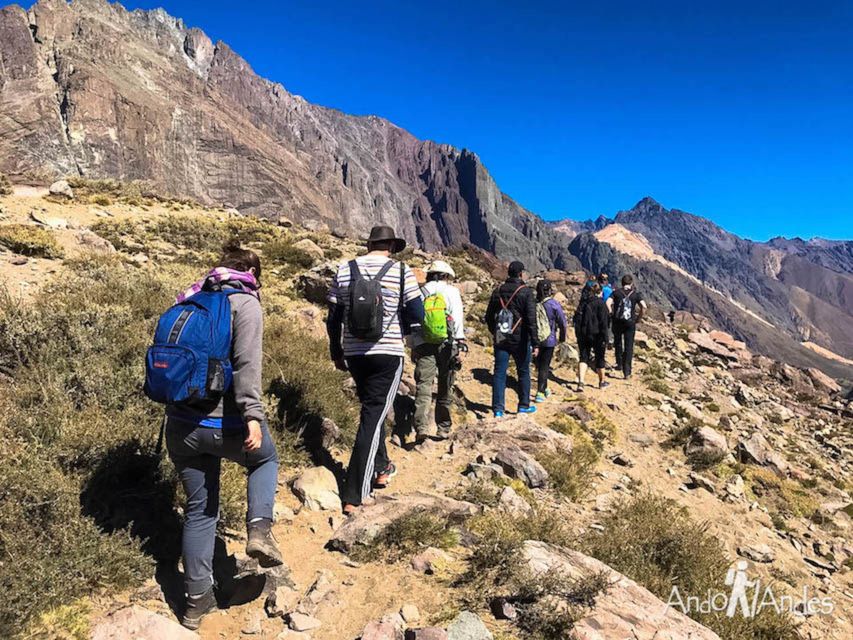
x: 353, y: 270
x: 511, y: 298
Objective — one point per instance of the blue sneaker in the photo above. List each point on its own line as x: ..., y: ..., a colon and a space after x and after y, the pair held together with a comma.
x: 499, y: 414
x: 527, y: 409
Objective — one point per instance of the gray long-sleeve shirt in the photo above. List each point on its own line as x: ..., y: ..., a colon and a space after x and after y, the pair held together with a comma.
x: 243, y: 399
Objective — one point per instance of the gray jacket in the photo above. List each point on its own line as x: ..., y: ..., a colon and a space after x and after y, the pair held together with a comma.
x: 243, y: 399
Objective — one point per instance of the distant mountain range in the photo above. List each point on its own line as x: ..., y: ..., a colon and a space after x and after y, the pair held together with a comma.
x: 92, y: 89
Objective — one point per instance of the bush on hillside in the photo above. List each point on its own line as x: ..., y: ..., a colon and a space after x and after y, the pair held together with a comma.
x: 407, y: 536
x: 655, y: 542
x: 5, y: 185
x: 28, y: 240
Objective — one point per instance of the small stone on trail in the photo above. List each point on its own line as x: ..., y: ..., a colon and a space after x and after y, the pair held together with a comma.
x: 502, y: 609
x: 427, y: 633
x: 379, y: 630
x: 468, y: 626
x: 622, y: 460
x: 301, y: 622
x: 253, y: 625
x: 427, y: 561
x: 410, y: 613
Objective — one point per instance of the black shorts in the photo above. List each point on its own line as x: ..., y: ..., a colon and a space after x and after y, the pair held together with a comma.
x: 592, y: 346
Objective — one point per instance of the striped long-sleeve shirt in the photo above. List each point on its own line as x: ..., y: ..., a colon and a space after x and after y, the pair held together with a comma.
x: 391, y: 342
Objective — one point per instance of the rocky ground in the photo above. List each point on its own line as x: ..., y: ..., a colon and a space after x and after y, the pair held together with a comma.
x: 757, y: 449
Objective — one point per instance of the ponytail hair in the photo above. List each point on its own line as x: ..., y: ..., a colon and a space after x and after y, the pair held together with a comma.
x: 543, y: 289
x: 236, y: 257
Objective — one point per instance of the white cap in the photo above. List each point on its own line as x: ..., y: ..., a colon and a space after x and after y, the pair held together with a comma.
x: 440, y: 266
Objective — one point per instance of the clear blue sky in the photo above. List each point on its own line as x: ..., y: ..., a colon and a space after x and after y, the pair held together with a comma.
x: 738, y: 111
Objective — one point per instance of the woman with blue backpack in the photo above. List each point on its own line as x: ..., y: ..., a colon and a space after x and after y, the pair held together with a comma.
x: 205, y: 366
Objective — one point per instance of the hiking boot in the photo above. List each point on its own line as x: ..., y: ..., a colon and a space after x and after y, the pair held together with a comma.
x: 579, y: 388
x: 540, y: 397
x: 197, y: 607
x: 499, y: 414
x: 383, y: 478
x: 527, y: 409
x: 350, y: 509
x: 261, y: 544
x: 443, y: 433
x: 603, y: 384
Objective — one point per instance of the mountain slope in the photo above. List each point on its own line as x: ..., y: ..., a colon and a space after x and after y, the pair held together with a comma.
x: 93, y: 89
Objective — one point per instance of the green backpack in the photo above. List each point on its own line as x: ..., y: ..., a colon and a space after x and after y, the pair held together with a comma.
x: 543, y: 325
x: 435, y: 319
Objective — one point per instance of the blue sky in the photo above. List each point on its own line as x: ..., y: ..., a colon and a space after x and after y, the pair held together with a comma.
x: 738, y: 111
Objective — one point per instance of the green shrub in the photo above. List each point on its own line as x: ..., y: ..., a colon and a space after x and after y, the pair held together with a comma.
x: 408, y: 535
x: 5, y: 185
x: 29, y: 240
x: 655, y: 542
x: 283, y: 251
x: 570, y: 474
x: 549, y: 604
x: 658, y: 386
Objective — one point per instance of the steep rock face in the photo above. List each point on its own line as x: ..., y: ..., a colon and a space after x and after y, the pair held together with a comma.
x: 90, y: 88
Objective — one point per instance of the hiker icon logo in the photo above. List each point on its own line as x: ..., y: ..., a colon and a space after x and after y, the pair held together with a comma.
x: 749, y: 598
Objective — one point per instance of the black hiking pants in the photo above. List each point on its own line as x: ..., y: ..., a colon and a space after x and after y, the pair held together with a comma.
x: 376, y: 381
x: 543, y: 368
x: 623, y: 336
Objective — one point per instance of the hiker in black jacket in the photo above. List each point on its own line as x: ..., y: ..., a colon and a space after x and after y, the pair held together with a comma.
x: 511, y: 318
x: 590, y: 321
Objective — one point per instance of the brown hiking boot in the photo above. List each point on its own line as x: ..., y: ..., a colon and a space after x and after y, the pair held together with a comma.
x: 261, y: 544
x: 197, y: 607
x: 383, y: 478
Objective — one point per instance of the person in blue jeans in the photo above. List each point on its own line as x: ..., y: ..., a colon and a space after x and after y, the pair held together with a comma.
x: 518, y: 340
x: 199, y: 434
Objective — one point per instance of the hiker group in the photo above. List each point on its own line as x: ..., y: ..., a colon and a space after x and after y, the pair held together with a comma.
x: 205, y: 366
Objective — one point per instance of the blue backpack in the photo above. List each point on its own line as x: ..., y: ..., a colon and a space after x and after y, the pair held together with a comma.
x: 190, y: 357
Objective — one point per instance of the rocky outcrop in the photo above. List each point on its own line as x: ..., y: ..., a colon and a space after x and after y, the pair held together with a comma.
x: 624, y: 609
x: 90, y: 88
x: 370, y: 521
x: 140, y: 624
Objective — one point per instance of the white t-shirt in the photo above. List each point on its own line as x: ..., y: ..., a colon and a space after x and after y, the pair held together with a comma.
x: 391, y: 342
x: 453, y: 301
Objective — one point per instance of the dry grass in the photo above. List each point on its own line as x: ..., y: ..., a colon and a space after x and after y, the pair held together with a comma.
x: 29, y: 240
x: 407, y: 536
x: 655, y: 542
x: 5, y: 185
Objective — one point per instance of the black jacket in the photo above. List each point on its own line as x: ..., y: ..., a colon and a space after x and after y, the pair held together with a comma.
x: 523, y: 306
x: 591, y: 317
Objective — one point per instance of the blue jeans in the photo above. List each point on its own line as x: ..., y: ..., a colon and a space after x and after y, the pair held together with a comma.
x: 197, y: 453
x: 521, y: 355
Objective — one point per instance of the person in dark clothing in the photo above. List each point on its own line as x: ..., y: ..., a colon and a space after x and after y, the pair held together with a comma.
x: 590, y: 322
x: 556, y: 334
x: 375, y: 364
x: 628, y: 308
x: 511, y: 318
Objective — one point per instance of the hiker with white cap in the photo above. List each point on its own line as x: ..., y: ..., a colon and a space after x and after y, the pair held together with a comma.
x: 438, y: 349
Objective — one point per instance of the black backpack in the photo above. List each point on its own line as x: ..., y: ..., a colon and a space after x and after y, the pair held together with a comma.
x: 366, y: 307
x: 626, y: 308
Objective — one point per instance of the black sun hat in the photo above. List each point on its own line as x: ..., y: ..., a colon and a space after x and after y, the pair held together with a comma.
x: 384, y: 233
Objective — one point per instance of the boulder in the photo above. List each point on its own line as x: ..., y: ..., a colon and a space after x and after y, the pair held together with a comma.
x: 735, y: 488
x: 371, y: 520
x: 427, y: 633
x: 490, y: 435
x: 757, y: 553
x: 624, y: 609
x: 61, y: 189
x: 725, y: 339
x: 284, y: 221
x: 95, y: 242
x: 379, y: 630
x: 48, y: 221
x: 311, y: 248
x: 314, y: 285
x: 689, y: 409
x: 410, y: 613
x: 705, y: 343
x: 317, y: 226
x: 317, y: 488
x: 522, y: 466
x: 707, y: 442
x: 468, y: 287
x: 139, y: 624
x: 468, y: 626
x: 301, y: 622
x: 822, y: 382
x: 429, y: 560
x: 756, y: 450
x: 513, y: 504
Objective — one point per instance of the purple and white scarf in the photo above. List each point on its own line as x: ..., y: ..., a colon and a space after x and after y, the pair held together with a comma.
x: 218, y: 275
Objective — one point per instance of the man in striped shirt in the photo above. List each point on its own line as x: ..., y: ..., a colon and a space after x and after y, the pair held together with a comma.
x: 375, y: 365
